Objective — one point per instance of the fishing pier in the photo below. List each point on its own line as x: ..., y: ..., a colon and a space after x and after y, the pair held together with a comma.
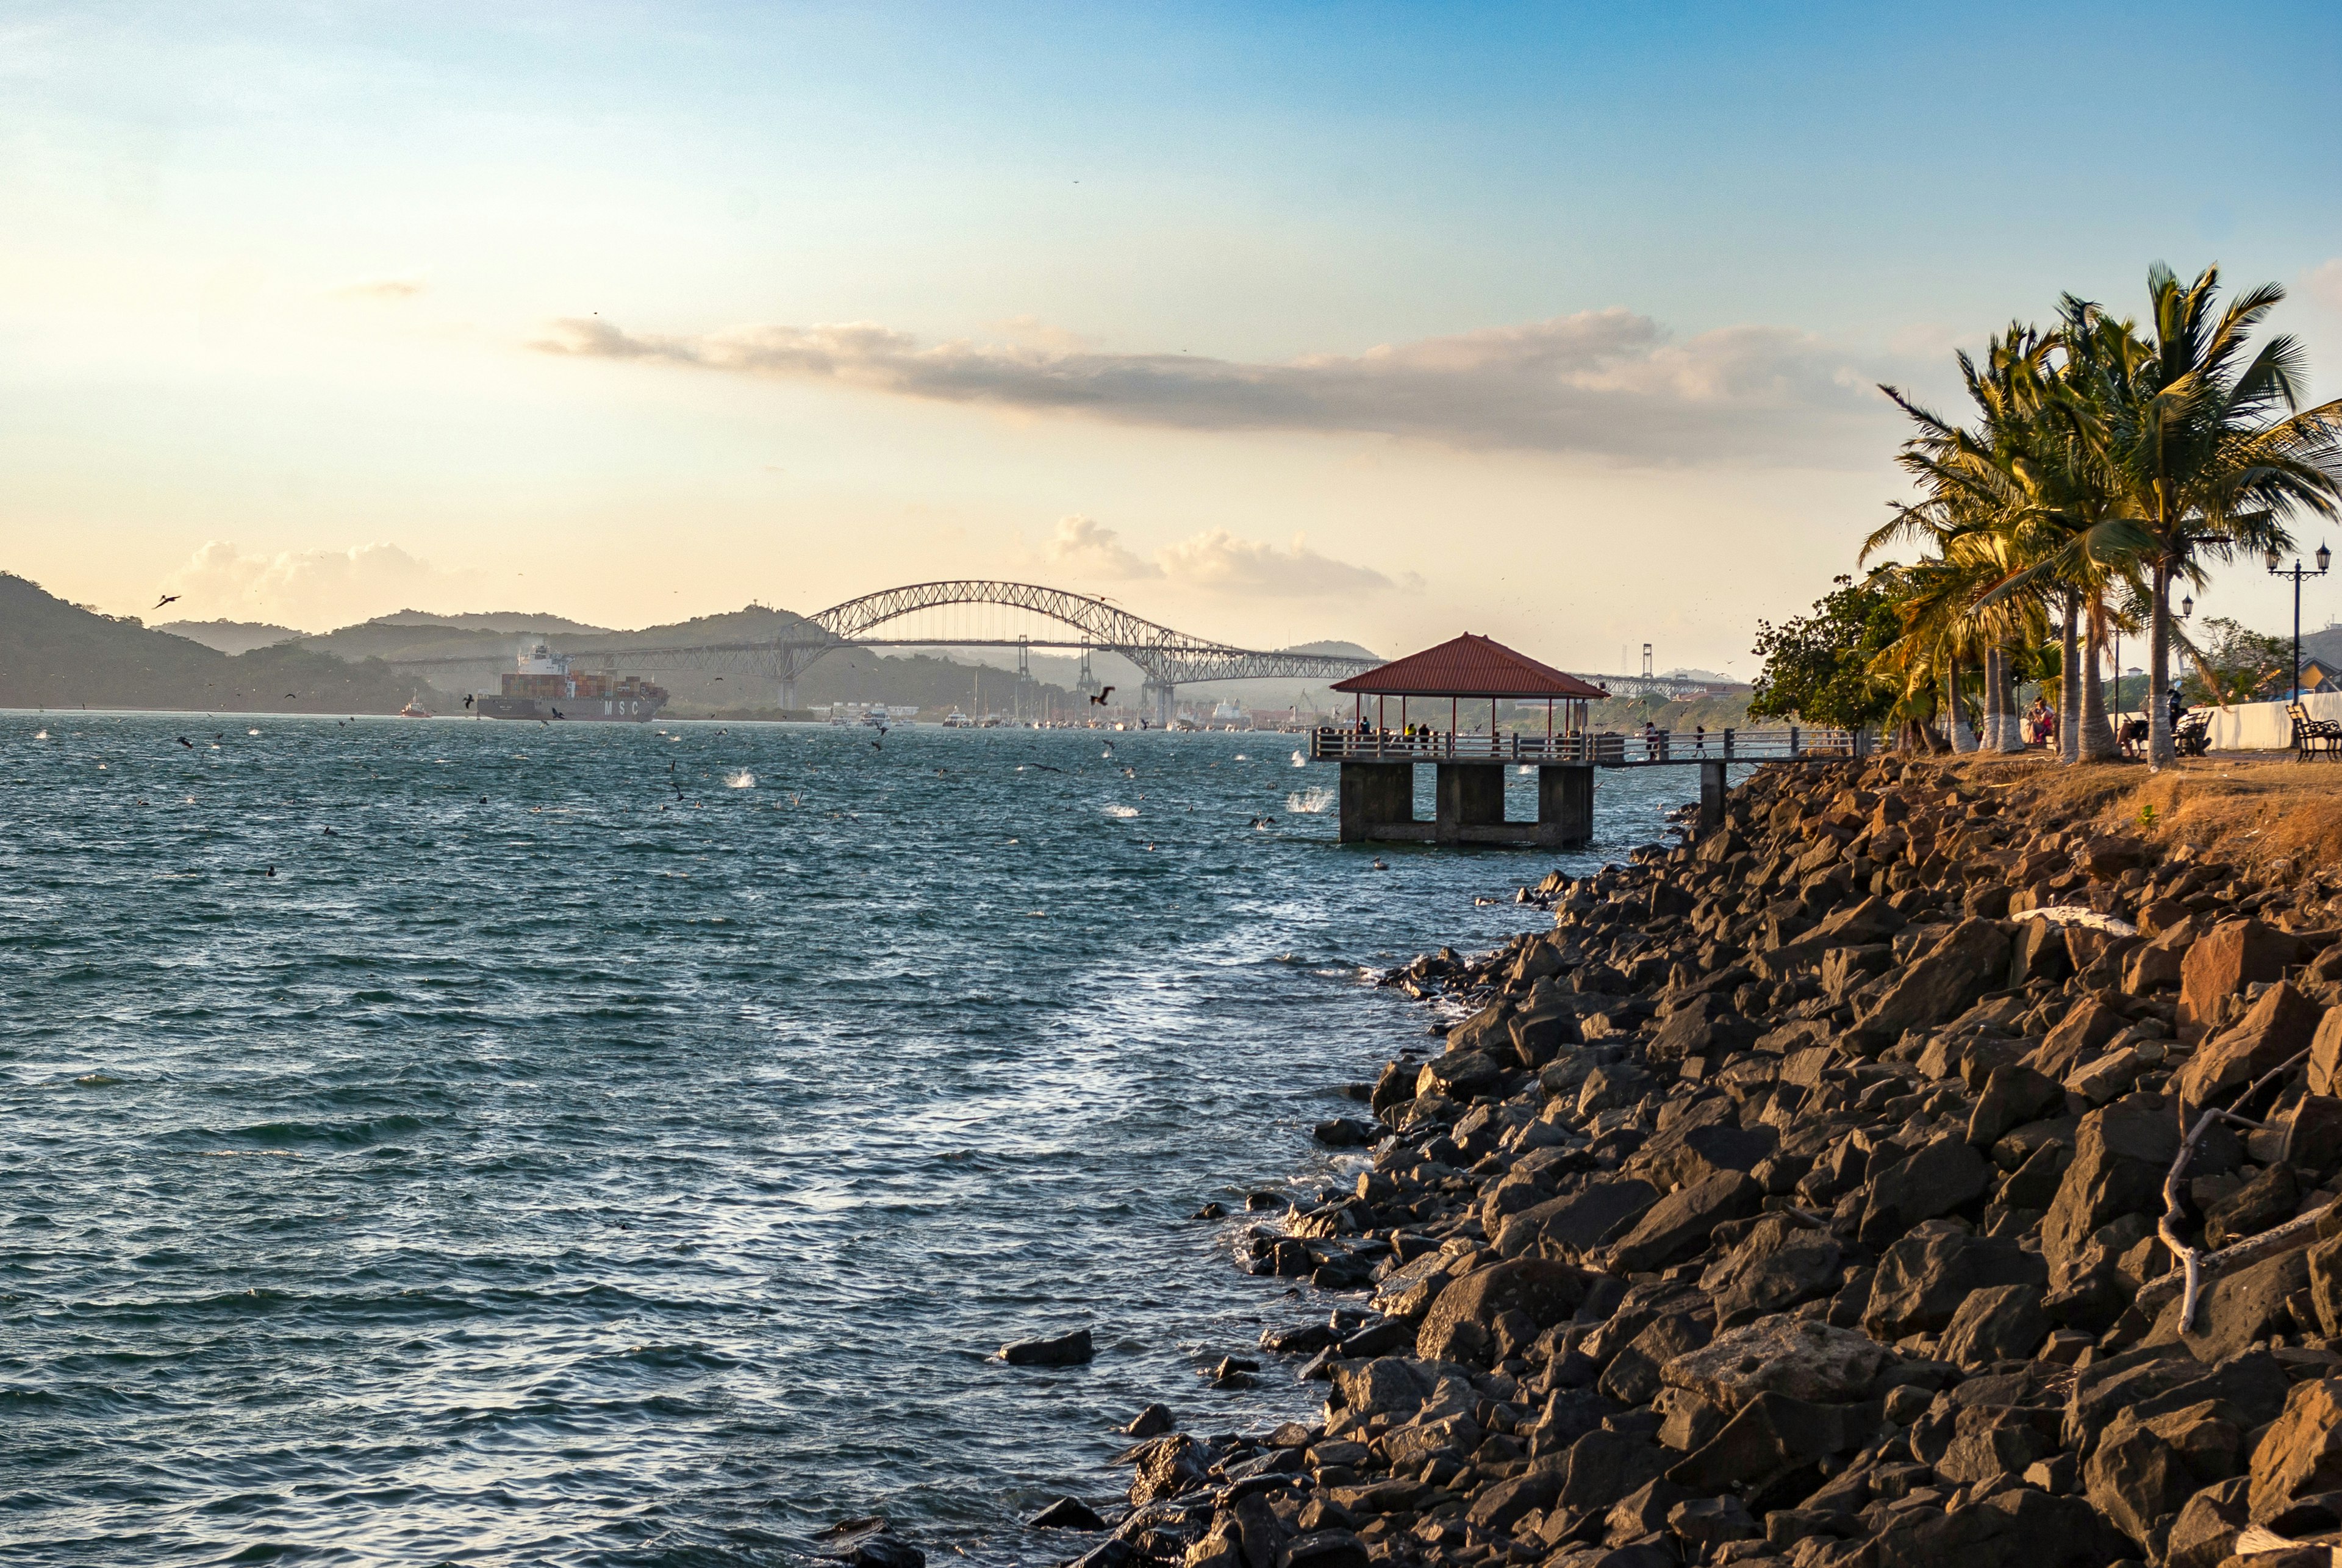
x: 1378, y: 754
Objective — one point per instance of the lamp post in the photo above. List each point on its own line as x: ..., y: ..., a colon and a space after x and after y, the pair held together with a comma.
x: 2325, y: 559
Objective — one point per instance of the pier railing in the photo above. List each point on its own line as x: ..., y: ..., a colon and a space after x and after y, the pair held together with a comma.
x: 1794, y: 742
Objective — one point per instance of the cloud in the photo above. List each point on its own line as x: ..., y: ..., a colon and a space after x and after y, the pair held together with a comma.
x: 1214, y: 561
x: 382, y: 290
x: 2323, y: 283
x: 1083, y: 545
x: 314, y: 588
x: 1608, y: 382
x: 1219, y: 559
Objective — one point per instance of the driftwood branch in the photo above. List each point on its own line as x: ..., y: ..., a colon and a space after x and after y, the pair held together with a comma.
x: 2195, y: 1266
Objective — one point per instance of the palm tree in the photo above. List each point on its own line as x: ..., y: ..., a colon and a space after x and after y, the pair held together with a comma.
x: 2211, y: 449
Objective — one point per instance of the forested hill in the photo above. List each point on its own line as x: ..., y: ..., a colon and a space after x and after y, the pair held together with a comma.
x: 54, y: 654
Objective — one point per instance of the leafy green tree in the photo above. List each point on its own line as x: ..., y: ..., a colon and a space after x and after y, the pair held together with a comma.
x: 1818, y: 667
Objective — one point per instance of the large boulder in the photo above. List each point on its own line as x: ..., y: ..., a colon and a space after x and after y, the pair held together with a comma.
x: 2326, y: 1055
x: 1389, y: 1385
x: 2279, y: 1025
x: 2143, y: 1471
x: 1679, y: 1225
x: 2237, y: 1310
x: 1576, y: 1220
x: 1461, y: 1325
x: 2121, y: 1154
x: 1924, y: 1278
x: 2002, y: 1322
x: 1770, y: 1436
x: 1939, y: 1178
x: 2301, y: 1452
x: 1970, y: 960
x: 1782, y: 1261
x: 2018, y: 1528
x: 2223, y: 962
x: 2080, y: 1036
x: 1801, y: 1358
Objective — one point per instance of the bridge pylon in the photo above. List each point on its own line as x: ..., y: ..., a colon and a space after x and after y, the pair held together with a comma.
x: 1157, y: 696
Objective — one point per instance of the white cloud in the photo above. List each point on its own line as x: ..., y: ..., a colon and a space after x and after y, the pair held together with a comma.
x: 315, y: 589
x: 1606, y: 382
x: 1219, y: 559
x: 1084, y: 546
x: 1214, y: 561
x: 2323, y: 283
x: 382, y: 290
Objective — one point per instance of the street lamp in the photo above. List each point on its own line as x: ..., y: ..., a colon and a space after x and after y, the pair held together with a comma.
x: 2325, y: 559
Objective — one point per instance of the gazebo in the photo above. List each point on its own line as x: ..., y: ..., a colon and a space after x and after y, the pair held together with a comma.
x: 1378, y: 758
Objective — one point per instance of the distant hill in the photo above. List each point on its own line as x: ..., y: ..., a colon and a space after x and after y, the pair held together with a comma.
x: 231, y: 636
x: 513, y: 621
x: 54, y: 654
x: 1333, y: 650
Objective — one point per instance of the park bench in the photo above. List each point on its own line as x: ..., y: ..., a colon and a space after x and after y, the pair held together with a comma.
x: 2323, y: 736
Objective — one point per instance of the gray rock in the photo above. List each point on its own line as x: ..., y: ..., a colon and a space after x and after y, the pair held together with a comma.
x: 1944, y: 1175
x: 1924, y: 1278
x: 2002, y: 1322
x: 1678, y: 1225
x: 1970, y: 960
x: 1065, y: 1350
x: 1801, y: 1358
x: 1576, y: 1220
x: 1778, y: 1264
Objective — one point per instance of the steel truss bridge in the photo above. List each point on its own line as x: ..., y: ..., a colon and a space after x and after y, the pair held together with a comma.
x: 1167, y: 659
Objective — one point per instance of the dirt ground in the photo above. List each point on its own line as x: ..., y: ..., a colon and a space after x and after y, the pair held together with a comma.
x: 2262, y: 810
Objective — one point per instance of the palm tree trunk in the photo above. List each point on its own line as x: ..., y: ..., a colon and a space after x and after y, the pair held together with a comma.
x: 2069, y: 684
x: 1952, y: 690
x: 2158, y: 712
x: 2092, y: 735
x: 2012, y: 721
x: 1988, y: 737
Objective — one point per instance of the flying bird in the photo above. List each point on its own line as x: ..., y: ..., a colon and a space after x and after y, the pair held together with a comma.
x: 167, y: 599
x: 187, y: 743
x: 1098, y: 701
x: 467, y: 699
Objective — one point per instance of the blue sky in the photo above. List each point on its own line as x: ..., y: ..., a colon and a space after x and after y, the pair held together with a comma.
x: 1551, y: 322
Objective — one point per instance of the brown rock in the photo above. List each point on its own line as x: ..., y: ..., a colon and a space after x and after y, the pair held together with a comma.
x: 2223, y: 962
x: 2278, y: 1026
x: 1576, y: 1220
x: 2001, y: 1322
x: 1679, y: 1225
x: 2120, y: 1155
x: 2083, y: 1032
x: 1922, y: 1280
x: 2038, y: 953
x: 1942, y: 1176
x: 2205, y: 1531
x: 1799, y: 1357
x: 1462, y: 1323
x: 2326, y: 1055
x: 2237, y: 1310
x: 2266, y: 1200
x: 1782, y: 1261
x: 2301, y: 1452
x: 1970, y: 961
x: 2141, y: 1472
x: 2108, y: 855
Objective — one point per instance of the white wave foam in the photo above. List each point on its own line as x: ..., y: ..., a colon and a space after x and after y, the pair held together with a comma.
x: 1309, y: 800
x: 1299, y: 761
x: 1124, y: 811
x: 743, y: 779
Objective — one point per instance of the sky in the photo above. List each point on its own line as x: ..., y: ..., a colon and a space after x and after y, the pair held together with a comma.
x: 1559, y: 323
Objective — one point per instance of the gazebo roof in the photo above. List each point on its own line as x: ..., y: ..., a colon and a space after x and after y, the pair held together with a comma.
x: 1468, y: 666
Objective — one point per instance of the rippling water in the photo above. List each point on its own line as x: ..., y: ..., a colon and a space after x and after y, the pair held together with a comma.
x: 601, y: 1145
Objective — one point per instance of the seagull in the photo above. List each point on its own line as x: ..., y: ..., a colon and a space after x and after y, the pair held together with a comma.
x: 187, y: 743
x: 290, y: 694
x: 1098, y: 701
x: 467, y: 699
x: 165, y: 599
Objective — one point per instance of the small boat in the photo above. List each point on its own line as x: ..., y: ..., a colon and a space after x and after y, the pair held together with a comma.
x: 956, y: 720
x: 414, y: 710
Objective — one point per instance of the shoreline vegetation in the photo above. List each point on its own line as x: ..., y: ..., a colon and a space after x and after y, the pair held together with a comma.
x: 2107, y: 463
x: 1812, y: 1194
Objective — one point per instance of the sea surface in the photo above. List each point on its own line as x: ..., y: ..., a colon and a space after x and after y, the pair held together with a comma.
x: 462, y: 1142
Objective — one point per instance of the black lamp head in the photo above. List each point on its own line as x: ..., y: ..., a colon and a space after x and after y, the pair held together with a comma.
x: 2325, y: 557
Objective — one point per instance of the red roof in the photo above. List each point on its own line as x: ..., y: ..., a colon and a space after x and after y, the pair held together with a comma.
x: 1468, y: 666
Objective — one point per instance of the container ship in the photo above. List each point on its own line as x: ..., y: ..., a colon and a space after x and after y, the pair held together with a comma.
x: 545, y: 688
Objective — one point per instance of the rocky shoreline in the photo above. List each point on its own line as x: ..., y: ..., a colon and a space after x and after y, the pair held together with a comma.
x: 1815, y: 1193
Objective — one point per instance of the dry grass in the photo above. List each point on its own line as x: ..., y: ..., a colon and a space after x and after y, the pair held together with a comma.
x: 2260, y: 811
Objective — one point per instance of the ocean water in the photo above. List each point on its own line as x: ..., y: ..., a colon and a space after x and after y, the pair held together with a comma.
x: 600, y: 1145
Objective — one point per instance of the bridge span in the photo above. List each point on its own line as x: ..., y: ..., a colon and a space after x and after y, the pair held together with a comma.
x: 1168, y: 659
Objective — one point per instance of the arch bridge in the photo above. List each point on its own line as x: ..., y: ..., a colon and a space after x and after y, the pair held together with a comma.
x: 1168, y: 659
